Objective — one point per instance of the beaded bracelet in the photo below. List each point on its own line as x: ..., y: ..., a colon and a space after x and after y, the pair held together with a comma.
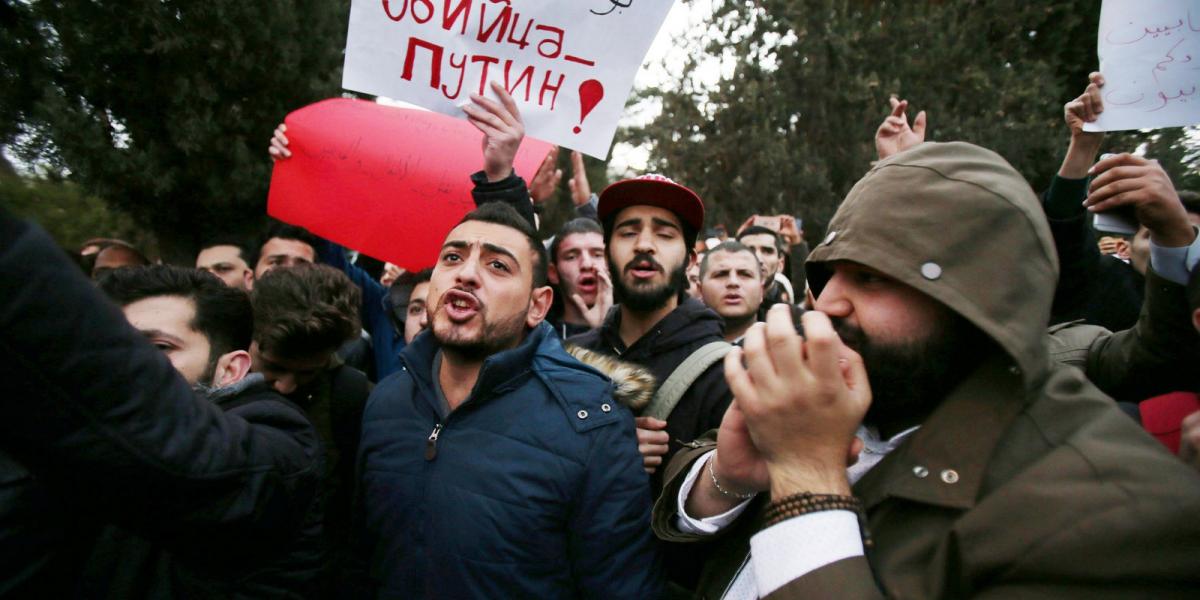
x: 807, y: 503
x: 716, y: 484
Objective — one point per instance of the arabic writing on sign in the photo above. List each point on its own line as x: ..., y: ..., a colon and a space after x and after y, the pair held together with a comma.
x: 614, y: 5
x: 1150, y: 57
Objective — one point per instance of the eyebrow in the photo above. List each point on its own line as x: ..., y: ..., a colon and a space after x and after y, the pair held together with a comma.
x: 657, y: 222
x: 158, y: 333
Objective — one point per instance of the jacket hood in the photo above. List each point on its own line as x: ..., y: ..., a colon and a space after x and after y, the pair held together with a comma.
x: 690, y: 322
x: 960, y: 225
x: 633, y: 386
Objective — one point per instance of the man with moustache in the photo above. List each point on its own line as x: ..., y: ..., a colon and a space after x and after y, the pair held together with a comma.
x: 493, y: 464
x: 731, y: 283
x: 650, y: 226
x: 986, y: 467
x: 583, y: 292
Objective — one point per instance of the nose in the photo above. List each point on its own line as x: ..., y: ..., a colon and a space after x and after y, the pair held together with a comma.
x: 833, y: 300
x: 644, y: 242
x: 586, y: 262
x: 467, y: 274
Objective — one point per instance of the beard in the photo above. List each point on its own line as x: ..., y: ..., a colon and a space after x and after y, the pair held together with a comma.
x: 647, y: 298
x: 493, y: 337
x: 910, y: 379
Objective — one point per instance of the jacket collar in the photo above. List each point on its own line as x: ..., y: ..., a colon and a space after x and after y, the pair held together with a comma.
x: 691, y: 320
x: 943, y: 463
x: 498, y: 371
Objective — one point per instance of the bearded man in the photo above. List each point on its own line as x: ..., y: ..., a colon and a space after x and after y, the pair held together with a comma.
x: 493, y: 463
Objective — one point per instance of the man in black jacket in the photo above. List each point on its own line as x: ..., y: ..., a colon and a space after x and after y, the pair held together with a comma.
x: 99, y: 428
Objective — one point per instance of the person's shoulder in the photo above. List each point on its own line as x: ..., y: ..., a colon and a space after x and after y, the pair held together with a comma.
x: 585, y: 393
x: 387, y: 391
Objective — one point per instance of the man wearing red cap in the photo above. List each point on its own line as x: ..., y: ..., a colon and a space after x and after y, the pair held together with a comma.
x: 650, y: 225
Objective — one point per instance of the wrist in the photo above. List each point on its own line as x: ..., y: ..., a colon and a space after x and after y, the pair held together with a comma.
x: 1081, y: 155
x: 789, y: 480
x: 1176, y: 236
x: 497, y: 174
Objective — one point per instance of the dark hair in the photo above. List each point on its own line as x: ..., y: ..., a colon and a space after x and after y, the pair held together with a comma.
x: 304, y: 310
x: 731, y: 247
x: 1193, y: 290
x: 283, y: 231
x: 572, y: 227
x: 400, y: 294
x: 223, y: 314
x: 759, y: 230
x: 500, y: 213
x: 245, y: 252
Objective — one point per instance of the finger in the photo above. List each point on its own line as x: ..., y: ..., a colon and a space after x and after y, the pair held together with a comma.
x: 739, y: 380
x: 856, y: 448
x: 651, y: 460
x: 919, y: 124
x: 577, y: 169
x: 280, y: 137
x: 1095, y: 100
x: 509, y: 103
x: 1113, y: 175
x: 494, y: 121
x: 652, y: 449
x: 1127, y: 198
x: 822, y: 346
x: 1123, y: 158
x: 579, y: 303
x: 758, y: 355
x: 1096, y: 77
x: 557, y: 177
x: 894, y: 103
x: 650, y: 423
x: 782, y: 339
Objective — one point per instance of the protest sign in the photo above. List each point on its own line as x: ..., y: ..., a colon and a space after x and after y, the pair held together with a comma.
x: 389, y: 182
x: 569, y: 65
x: 1150, y: 57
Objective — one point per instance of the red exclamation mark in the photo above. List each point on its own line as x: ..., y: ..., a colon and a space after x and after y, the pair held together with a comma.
x: 590, y: 93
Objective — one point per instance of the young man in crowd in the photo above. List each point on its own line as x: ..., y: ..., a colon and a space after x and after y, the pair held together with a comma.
x: 770, y: 248
x: 100, y: 428
x: 579, y: 274
x: 407, y: 299
x: 285, y: 245
x: 204, y: 328
x: 302, y: 315
x: 230, y: 261
x: 731, y: 284
x: 494, y: 464
x: 116, y: 255
x: 989, y: 469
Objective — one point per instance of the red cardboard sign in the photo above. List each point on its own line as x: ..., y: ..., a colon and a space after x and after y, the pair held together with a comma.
x: 389, y: 182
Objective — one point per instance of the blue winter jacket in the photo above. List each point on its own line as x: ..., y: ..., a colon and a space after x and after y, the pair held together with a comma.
x: 532, y: 488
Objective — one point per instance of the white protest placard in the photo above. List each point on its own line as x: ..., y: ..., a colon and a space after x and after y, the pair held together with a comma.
x: 569, y: 64
x: 1150, y: 57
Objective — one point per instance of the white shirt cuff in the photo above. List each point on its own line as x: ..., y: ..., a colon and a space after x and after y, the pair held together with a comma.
x: 1175, y: 264
x: 706, y: 526
x: 792, y: 549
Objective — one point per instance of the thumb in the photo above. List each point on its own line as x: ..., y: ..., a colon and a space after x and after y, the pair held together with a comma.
x: 856, y: 378
x: 579, y: 303
x: 919, y: 124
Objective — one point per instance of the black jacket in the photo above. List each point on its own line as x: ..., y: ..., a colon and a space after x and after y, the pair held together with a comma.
x: 683, y: 331
x: 97, y: 428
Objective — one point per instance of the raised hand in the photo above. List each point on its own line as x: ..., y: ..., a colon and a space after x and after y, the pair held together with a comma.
x: 581, y: 190
x: 652, y: 441
x: 895, y: 135
x: 279, y: 144
x: 604, y: 300
x: 1141, y: 183
x: 545, y: 180
x: 502, y: 130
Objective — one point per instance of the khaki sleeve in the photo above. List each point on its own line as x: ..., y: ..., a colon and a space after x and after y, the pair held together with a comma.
x: 1154, y: 357
x: 849, y: 578
x: 663, y: 519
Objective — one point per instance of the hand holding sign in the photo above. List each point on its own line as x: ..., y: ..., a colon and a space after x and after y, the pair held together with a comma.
x: 1150, y: 56
x: 389, y: 182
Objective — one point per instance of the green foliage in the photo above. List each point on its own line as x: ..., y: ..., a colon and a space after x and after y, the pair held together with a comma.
x: 791, y: 128
x: 164, y: 107
x: 69, y: 215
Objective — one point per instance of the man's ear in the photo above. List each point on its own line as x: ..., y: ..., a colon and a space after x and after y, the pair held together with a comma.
x: 1196, y: 319
x: 552, y: 274
x: 231, y: 368
x: 539, y: 304
x: 693, y: 258
x: 248, y: 279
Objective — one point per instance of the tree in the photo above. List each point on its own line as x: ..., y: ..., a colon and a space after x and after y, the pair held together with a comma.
x: 790, y: 128
x: 163, y: 107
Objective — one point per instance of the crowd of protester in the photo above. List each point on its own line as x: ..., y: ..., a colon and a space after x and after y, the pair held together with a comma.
x: 964, y: 389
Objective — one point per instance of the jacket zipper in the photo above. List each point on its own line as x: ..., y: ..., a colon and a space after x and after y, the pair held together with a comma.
x: 431, y: 443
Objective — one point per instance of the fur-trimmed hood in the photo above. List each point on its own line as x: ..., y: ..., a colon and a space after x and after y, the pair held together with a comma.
x: 634, y: 386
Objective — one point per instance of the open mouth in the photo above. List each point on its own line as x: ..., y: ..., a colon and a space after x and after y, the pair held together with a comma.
x: 587, y: 283
x: 460, y: 306
x: 644, y: 269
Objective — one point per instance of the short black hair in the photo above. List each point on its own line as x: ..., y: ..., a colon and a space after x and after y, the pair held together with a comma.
x: 500, y: 213
x: 689, y: 233
x: 1190, y: 200
x: 305, y: 310
x: 730, y: 246
x: 223, y: 314
x: 572, y: 227
x: 759, y: 230
x: 283, y: 231
x: 245, y: 252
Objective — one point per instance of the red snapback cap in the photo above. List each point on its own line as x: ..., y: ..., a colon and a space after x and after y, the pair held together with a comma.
x: 652, y: 190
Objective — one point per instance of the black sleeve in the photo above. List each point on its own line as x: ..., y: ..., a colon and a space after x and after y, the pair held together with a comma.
x: 511, y: 190
x: 799, y: 254
x: 93, y: 407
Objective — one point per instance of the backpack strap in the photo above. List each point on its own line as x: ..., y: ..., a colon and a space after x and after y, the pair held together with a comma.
x: 682, y: 378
